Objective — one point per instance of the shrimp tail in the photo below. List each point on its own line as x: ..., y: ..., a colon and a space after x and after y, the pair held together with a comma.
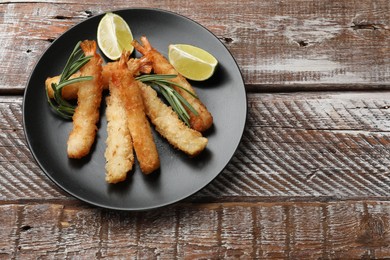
x: 144, y: 48
x: 138, y: 66
x: 88, y: 47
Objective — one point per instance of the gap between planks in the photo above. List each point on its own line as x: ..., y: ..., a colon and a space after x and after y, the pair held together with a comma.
x: 210, y: 202
x: 267, y: 88
x: 314, y: 88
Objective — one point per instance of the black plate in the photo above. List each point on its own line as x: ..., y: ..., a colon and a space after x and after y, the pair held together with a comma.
x: 179, y: 176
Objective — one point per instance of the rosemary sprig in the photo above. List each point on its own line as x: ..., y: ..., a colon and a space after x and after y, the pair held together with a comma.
x: 175, y: 100
x: 77, y: 59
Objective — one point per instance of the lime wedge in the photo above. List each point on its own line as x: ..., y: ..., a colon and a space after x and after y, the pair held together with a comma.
x: 192, y: 62
x: 114, y: 36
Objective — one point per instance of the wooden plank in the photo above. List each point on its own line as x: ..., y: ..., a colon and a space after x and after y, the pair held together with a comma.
x: 278, y: 45
x: 288, y: 230
x: 20, y: 176
x: 157, y: 234
x: 70, y: 222
x: 272, y: 224
x: 319, y: 144
x: 316, y: 146
x: 125, y: 244
x: 38, y: 230
x: 237, y: 233
x: 198, y: 231
x: 9, y: 231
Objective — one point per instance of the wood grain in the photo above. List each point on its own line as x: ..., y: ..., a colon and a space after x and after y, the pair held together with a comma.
x: 333, y: 230
x: 277, y: 44
x: 20, y: 176
x: 316, y: 146
x: 310, y: 179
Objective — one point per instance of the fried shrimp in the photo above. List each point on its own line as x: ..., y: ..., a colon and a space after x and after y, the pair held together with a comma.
x: 89, y: 97
x: 68, y: 92
x: 161, y: 65
x: 140, y: 130
x: 119, y: 151
x: 169, y: 125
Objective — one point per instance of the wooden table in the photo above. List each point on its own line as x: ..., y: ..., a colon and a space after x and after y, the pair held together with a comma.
x: 310, y: 179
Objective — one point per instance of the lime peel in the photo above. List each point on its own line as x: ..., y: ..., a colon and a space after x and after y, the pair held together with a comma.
x: 192, y: 62
x: 114, y: 36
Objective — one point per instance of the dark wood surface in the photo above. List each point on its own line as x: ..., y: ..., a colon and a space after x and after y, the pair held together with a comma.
x: 310, y: 179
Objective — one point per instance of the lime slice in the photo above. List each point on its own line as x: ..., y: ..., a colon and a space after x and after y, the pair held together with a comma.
x: 114, y: 36
x: 192, y: 62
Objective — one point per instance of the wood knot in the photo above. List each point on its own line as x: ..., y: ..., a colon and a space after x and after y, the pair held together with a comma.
x: 227, y: 40
x: 88, y: 13
x: 62, y: 17
x: 25, y: 228
x: 302, y: 43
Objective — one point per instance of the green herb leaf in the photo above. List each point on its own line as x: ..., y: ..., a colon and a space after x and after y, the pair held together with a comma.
x: 174, y: 99
x: 76, y: 61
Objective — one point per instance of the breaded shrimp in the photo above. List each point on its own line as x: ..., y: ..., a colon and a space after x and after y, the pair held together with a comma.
x: 89, y: 97
x: 68, y: 92
x: 119, y: 151
x: 141, y: 133
x: 169, y: 125
x: 161, y: 65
